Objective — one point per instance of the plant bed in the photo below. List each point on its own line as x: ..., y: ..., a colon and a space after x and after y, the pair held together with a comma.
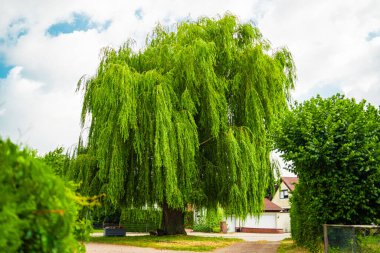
x: 114, y: 231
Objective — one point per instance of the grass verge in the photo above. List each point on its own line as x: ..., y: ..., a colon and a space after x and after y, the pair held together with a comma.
x: 175, y: 242
x: 288, y: 246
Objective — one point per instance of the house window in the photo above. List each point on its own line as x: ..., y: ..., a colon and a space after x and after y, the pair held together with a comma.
x: 284, y: 194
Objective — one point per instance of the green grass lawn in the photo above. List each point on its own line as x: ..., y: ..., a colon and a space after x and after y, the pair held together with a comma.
x: 288, y: 246
x: 368, y: 244
x: 176, y: 242
x: 97, y: 230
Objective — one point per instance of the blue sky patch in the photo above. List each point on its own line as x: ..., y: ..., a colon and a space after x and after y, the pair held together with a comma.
x: 80, y: 22
x: 139, y: 14
x: 325, y: 89
x: 372, y: 35
x: 4, y: 67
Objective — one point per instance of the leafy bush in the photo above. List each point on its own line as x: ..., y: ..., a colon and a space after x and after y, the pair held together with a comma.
x: 210, y: 222
x: 333, y: 145
x: 189, y: 219
x: 36, y: 211
x: 202, y: 227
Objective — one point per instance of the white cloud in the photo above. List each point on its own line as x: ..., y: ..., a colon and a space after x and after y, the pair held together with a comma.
x: 329, y: 43
x: 33, y: 117
x: 38, y: 106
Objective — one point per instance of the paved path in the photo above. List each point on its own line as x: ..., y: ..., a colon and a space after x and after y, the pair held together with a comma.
x: 254, y: 243
x: 245, y: 247
x: 109, y: 248
x: 250, y: 247
x: 249, y: 237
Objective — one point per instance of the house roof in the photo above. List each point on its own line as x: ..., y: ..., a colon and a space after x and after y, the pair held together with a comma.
x: 290, y: 182
x: 269, y: 206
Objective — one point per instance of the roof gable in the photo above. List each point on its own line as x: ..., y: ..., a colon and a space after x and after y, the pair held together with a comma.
x: 290, y: 182
x: 269, y: 206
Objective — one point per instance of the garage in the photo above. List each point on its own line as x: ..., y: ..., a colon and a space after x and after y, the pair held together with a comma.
x: 265, y: 223
x: 266, y: 220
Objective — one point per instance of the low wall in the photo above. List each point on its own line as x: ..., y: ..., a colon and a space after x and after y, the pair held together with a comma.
x: 262, y: 230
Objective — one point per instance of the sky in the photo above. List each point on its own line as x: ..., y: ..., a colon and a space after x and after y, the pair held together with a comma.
x: 47, y: 46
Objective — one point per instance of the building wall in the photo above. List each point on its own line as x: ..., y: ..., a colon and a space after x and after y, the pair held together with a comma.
x: 231, y: 224
x: 276, y: 222
x: 283, y: 221
x: 265, y: 220
x: 283, y: 203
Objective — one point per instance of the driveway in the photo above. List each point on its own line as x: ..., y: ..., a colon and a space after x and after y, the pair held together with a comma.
x: 254, y: 243
x: 249, y: 237
x: 250, y: 247
x: 109, y: 248
x: 245, y: 247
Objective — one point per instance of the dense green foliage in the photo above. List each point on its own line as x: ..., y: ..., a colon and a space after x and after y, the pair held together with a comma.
x: 82, y: 169
x: 141, y: 220
x: 37, y: 211
x: 209, y: 221
x: 58, y: 161
x: 333, y: 145
x: 189, y: 219
x: 186, y: 119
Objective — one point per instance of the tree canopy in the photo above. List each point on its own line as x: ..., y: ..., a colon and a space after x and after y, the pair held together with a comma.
x: 57, y: 160
x: 333, y: 145
x: 187, y: 118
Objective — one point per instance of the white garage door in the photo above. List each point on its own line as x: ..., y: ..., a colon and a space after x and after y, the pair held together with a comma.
x: 266, y: 220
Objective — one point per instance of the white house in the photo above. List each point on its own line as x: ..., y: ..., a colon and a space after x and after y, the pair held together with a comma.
x: 274, y: 219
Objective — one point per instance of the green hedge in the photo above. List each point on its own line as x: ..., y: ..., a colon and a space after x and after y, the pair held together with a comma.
x: 306, y: 228
x: 140, y: 220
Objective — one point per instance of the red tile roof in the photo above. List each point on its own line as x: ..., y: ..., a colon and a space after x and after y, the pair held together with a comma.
x: 269, y: 206
x: 290, y: 182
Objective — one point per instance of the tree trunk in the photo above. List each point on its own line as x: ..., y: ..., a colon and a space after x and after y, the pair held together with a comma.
x: 173, y: 221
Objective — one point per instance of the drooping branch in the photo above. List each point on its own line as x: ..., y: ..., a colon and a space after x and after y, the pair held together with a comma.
x: 187, y: 119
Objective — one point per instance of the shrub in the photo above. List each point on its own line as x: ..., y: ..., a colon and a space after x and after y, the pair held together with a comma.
x: 333, y: 145
x: 189, y: 219
x: 36, y: 211
x: 210, y: 222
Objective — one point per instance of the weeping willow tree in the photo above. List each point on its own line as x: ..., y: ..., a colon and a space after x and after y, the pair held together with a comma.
x: 187, y: 118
